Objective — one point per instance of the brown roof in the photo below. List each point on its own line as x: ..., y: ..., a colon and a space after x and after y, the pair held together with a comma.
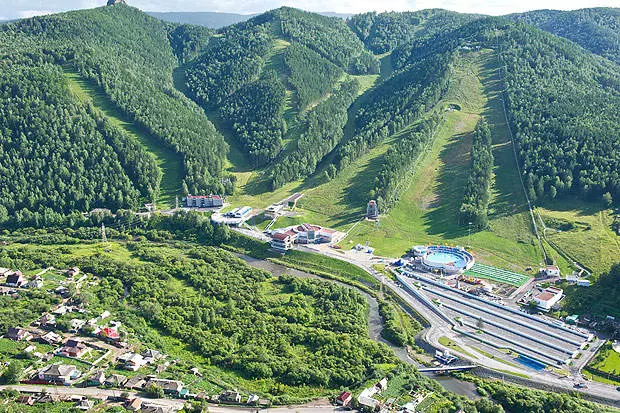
x: 280, y: 236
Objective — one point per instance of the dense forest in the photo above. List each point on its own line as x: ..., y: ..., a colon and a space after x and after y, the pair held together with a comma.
x: 280, y: 84
x: 474, y: 207
x: 596, y: 29
x: 245, y: 74
x: 383, y: 32
x: 312, y: 76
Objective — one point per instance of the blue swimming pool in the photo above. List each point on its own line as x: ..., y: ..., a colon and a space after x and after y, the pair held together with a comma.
x: 445, y: 258
x: 530, y: 362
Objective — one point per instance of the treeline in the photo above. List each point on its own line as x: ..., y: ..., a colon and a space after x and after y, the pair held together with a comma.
x: 328, y: 36
x: 474, y: 207
x: 383, y: 32
x: 129, y: 55
x: 562, y: 105
x: 324, y: 131
x: 311, y: 75
x: 400, y: 160
x: 595, y: 29
x: 395, y: 103
x: 255, y: 115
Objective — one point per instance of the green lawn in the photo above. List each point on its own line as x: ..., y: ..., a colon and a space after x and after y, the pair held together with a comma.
x: 169, y: 163
x: 585, y: 232
x: 607, y: 360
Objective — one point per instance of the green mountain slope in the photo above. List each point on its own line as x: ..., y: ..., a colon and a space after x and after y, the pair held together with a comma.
x: 383, y: 32
x: 263, y: 75
x: 596, y: 29
x: 562, y: 104
x: 130, y: 57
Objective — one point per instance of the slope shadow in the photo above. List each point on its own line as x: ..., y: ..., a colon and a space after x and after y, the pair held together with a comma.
x: 443, y: 220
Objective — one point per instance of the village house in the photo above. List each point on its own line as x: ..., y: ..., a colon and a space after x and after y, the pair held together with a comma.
x: 59, y: 373
x: 151, y: 356
x: 109, y: 333
x: 73, y: 271
x: 230, y: 396
x: 133, y: 405
x: 15, y: 279
x: 76, y: 325
x: 344, y: 399
x: 26, y: 399
x: 84, y: 404
x: 50, y: 338
x: 35, y: 282
x: 96, y: 379
x: 47, y: 321
x: 135, y: 383
x: 115, y: 380
x: 152, y: 408
x: 168, y: 386
x: 73, y: 348
x: 131, y: 361
x: 18, y: 334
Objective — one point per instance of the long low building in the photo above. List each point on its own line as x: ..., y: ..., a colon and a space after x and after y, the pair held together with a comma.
x: 203, y: 201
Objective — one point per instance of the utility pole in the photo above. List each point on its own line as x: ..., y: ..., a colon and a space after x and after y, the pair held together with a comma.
x: 469, y: 235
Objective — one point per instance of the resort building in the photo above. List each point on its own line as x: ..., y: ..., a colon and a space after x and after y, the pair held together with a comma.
x: 203, y: 201
x: 549, y: 297
x: 283, y: 239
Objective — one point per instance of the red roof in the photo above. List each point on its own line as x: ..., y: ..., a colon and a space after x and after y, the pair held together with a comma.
x: 203, y: 196
x: 280, y: 236
x: 552, y: 267
x: 328, y: 230
x: 344, y: 396
x: 109, y: 332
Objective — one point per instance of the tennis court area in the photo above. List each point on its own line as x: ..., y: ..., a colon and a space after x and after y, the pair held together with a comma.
x: 497, y: 274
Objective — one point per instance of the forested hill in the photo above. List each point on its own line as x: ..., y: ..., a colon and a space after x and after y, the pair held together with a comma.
x: 59, y: 154
x: 215, y: 20
x: 596, y: 29
x: 383, y: 32
x: 562, y: 104
x: 262, y: 76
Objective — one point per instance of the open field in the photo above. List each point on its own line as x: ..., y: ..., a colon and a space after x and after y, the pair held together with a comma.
x: 169, y: 163
x: 583, y: 230
x: 605, y: 365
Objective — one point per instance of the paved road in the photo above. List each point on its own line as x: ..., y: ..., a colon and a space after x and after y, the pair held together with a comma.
x: 96, y: 393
